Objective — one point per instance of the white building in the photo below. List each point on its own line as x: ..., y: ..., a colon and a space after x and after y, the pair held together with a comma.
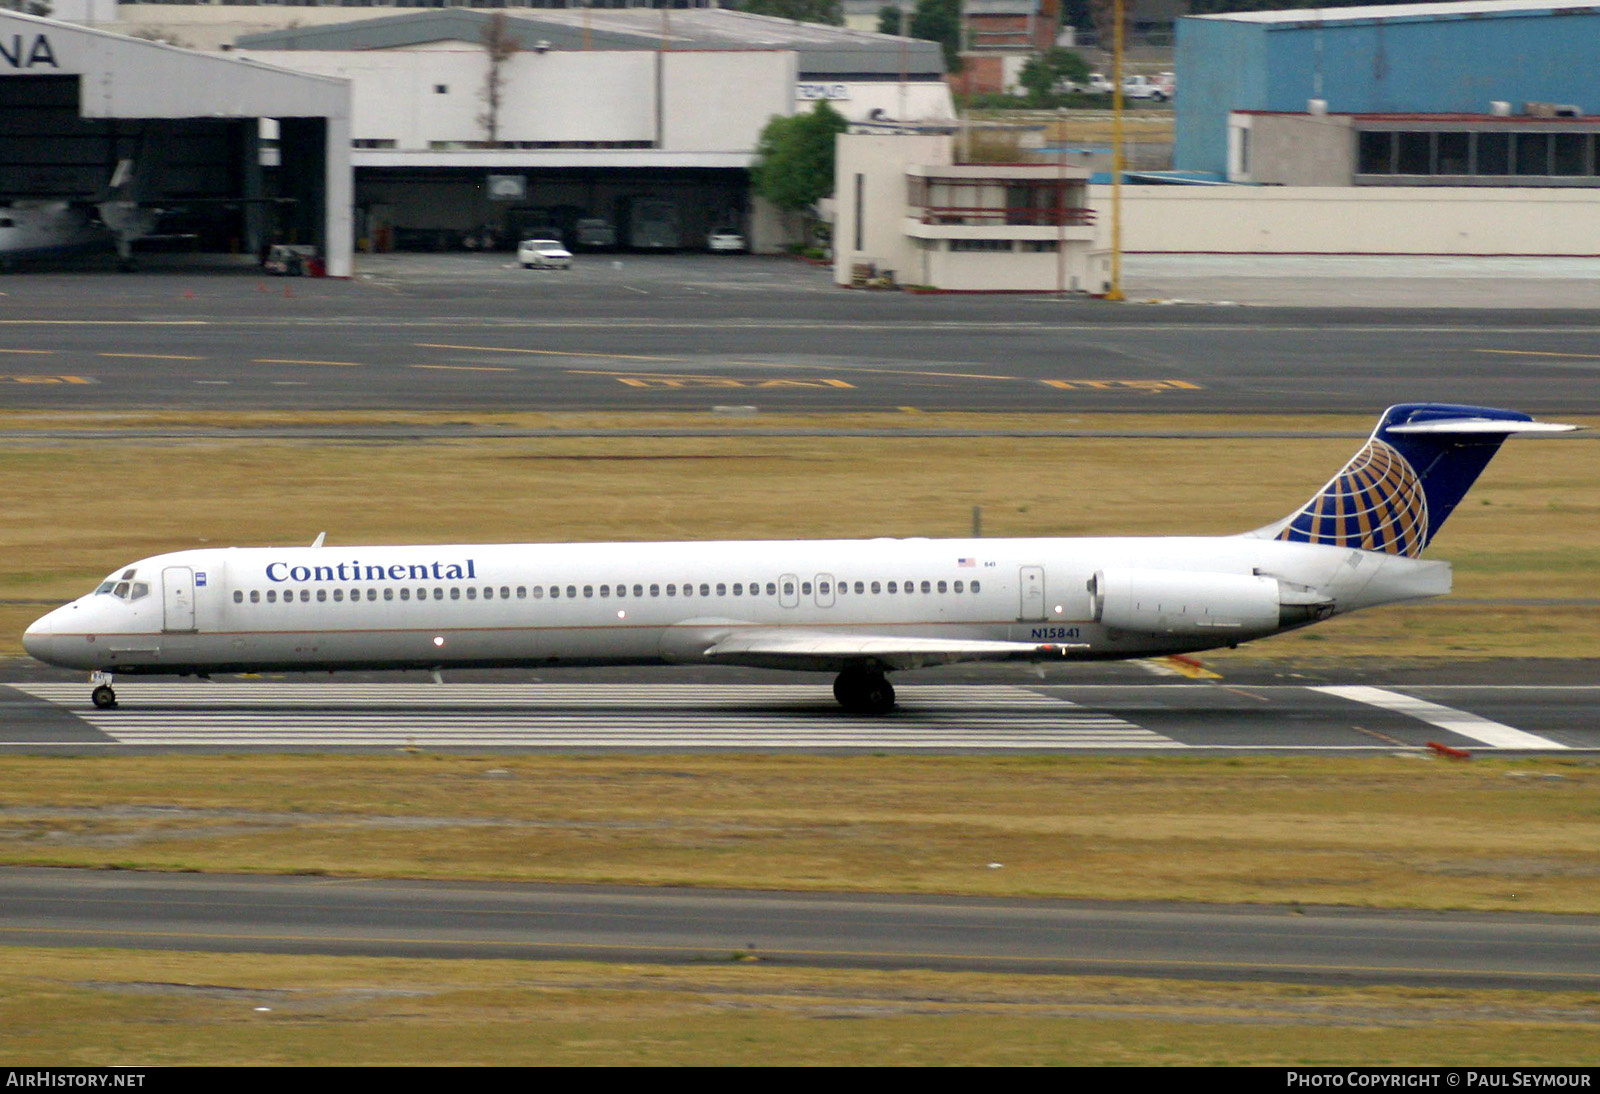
x: 601, y: 113
x: 902, y: 204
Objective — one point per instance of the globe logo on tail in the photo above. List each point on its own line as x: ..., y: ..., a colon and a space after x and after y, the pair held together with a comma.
x: 1375, y: 504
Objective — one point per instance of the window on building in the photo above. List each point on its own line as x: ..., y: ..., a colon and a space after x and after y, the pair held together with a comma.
x: 1414, y: 153
x: 1453, y: 154
x: 1532, y: 153
x: 1570, y: 155
x: 1375, y: 154
x: 1494, y: 154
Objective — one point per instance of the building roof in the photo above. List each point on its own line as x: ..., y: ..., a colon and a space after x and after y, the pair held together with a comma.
x: 824, y: 50
x: 1402, y: 13
x: 1423, y: 118
x: 122, y: 77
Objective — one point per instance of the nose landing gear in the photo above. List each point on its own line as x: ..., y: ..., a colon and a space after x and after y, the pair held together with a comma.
x: 864, y: 691
x: 103, y: 697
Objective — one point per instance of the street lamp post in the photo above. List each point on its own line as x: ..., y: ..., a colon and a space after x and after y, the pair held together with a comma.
x: 1114, y: 291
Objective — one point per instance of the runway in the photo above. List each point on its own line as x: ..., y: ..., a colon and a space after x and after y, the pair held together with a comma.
x: 938, y: 718
x: 686, y: 332
x: 300, y: 915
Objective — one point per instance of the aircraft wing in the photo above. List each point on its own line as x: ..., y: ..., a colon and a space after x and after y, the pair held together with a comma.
x: 831, y: 651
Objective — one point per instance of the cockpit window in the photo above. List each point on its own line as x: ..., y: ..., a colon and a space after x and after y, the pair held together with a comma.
x: 127, y: 575
x: 140, y: 588
x: 105, y: 588
x: 121, y: 590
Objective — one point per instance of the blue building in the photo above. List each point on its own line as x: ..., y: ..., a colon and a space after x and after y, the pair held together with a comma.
x: 1449, y: 58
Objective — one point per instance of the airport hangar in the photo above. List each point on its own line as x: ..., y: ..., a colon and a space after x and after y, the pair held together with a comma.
x: 75, y: 101
x: 600, y: 112
x: 1468, y: 93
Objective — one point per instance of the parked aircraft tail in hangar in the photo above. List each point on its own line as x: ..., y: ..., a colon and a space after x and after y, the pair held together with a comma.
x: 859, y: 609
x: 129, y: 208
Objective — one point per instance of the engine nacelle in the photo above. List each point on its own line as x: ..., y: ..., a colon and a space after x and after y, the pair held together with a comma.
x: 1184, y: 602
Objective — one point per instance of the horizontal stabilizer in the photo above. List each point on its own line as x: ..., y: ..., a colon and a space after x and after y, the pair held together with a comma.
x: 1481, y: 425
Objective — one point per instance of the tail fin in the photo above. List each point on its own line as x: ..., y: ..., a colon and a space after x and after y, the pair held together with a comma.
x: 1396, y: 493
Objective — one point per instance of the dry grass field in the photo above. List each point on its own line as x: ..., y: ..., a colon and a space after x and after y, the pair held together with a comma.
x: 149, y: 1009
x: 1398, y: 831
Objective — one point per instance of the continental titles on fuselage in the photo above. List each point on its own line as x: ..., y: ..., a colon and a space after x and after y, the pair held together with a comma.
x: 355, y: 571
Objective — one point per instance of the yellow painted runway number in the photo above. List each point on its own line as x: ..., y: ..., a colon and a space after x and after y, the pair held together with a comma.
x: 1153, y: 387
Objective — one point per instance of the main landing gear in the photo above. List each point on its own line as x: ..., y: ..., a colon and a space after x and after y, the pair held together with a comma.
x: 864, y: 691
x: 102, y: 696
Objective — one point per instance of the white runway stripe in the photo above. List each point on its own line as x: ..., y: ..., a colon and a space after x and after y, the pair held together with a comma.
x: 590, y: 715
x: 1472, y: 726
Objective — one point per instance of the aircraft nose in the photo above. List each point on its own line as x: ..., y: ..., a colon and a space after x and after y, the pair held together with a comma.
x: 40, y: 638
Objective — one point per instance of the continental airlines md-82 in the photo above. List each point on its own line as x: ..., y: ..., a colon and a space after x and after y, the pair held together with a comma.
x: 860, y: 609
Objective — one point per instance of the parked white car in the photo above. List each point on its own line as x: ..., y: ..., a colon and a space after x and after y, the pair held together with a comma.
x: 543, y: 254
x: 724, y: 240
x: 1146, y: 87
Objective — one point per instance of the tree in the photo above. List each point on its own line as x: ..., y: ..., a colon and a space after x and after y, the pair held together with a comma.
x: 499, y: 46
x: 801, y: 11
x: 1043, y: 73
x: 940, y: 21
x: 794, y: 157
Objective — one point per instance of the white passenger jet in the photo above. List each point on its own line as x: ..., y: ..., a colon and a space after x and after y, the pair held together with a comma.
x: 857, y: 608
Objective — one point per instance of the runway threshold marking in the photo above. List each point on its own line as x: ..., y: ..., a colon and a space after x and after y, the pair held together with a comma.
x: 546, y: 352
x: 783, y: 716
x: 1472, y: 726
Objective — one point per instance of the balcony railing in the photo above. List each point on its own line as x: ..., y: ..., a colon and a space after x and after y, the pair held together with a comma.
x: 979, y: 216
